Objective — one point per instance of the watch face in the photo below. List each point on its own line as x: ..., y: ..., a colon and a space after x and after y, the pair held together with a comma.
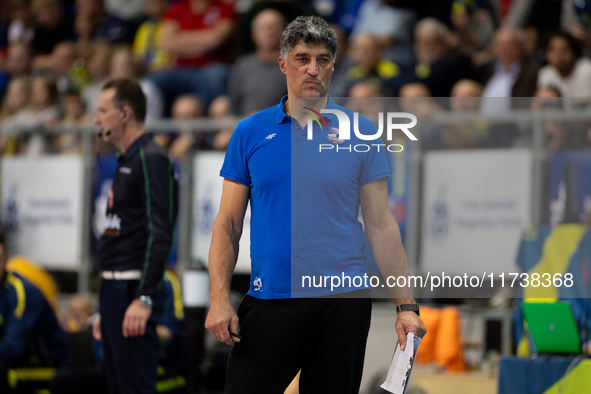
x: 146, y: 300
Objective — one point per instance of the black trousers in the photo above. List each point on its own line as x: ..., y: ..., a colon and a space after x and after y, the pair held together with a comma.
x: 324, y: 337
x: 130, y: 363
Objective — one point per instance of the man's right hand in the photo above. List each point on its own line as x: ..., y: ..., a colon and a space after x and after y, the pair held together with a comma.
x: 221, y: 319
x: 96, y: 328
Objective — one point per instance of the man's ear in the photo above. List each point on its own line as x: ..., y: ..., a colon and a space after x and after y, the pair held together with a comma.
x: 126, y: 113
x: 282, y: 65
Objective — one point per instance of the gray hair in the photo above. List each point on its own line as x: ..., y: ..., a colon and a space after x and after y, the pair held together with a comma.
x: 427, y: 24
x: 310, y: 30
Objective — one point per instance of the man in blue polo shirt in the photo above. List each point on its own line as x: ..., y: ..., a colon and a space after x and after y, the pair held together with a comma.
x: 304, y: 202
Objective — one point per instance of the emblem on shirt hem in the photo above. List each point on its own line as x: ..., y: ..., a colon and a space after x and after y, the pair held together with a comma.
x: 258, y: 284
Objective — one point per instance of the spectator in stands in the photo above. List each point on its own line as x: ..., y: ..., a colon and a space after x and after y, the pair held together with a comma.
x: 69, y: 70
x: 122, y: 66
x: 364, y: 89
x: 366, y: 98
x: 546, y: 96
x: 186, y: 107
x: 80, y: 310
x: 51, y: 26
x: 368, y: 65
x: 566, y: 68
x: 93, y: 23
x: 18, y: 58
x: 416, y: 98
x: 20, y: 27
x: 73, y: 110
x: 30, y: 335
x: 558, y: 134
x: 536, y: 17
x: 17, y: 63
x: 510, y: 74
x: 256, y: 82
x: 576, y: 19
x: 467, y: 94
x: 391, y: 25
x: 219, y: 110
x: 465, y: 98
x: 75, y: 119
x: 473, y: 24
x: 15, y: 100
x: 98, y: 64
x: 145, y: 43
x: 196, y: 33
x: 435, y: 65
x: 290, y: 9
x: 40, y: 115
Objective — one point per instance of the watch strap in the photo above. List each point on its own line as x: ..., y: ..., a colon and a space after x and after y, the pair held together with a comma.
x: 408, y: 307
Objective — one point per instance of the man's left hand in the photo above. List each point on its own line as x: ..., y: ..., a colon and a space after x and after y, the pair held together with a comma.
x: 136, y: 318
x: 408, y: 321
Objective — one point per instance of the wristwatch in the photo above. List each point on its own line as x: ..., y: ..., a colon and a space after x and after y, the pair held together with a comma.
x: 408, y: 307
x: 146, y: 300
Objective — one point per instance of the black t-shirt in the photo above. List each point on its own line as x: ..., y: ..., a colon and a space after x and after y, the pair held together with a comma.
x: 45, y: 39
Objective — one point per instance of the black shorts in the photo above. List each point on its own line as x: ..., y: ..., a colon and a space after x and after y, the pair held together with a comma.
x: 324, y: 337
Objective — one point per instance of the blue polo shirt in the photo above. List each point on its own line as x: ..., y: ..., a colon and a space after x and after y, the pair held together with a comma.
x: 304, y: 201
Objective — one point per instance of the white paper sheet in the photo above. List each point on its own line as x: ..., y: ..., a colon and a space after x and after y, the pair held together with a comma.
x: 401, y: 367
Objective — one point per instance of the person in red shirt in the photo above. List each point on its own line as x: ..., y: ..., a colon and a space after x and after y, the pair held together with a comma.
x: 197, y: 35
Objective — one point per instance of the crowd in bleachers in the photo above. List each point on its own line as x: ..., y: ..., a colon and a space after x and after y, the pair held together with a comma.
x: 214, y: 58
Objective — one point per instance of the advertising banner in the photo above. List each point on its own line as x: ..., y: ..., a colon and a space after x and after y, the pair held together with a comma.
x: 475, y: 207
x: 207, y: 192
x: 42, y: 209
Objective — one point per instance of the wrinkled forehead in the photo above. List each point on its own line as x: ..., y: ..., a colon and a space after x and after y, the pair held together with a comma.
x: 311, y: 49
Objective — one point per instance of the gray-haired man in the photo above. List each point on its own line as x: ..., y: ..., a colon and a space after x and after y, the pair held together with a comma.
x: 280, y: 331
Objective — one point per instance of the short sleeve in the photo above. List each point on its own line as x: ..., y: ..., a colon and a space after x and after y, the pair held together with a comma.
x: 235, y: 165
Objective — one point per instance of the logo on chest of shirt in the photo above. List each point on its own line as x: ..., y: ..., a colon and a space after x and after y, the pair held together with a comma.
x: 333, y: 136
x: 113, y: 227
x: 125, y: 170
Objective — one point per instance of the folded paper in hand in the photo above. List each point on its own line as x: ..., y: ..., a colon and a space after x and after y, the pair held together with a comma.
x: 401, y: 367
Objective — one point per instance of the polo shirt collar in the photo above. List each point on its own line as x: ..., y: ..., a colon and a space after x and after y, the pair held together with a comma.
x: 281, y: 115
x: 135, y: 145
